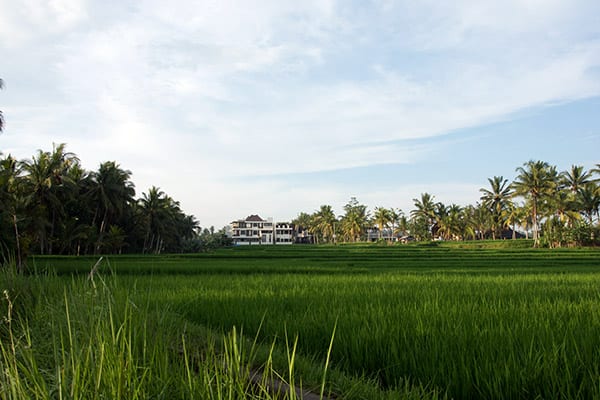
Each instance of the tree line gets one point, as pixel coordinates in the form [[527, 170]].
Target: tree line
[[555, 208], [49, 204]]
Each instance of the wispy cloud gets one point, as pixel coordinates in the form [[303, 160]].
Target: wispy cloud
[[231, 89]]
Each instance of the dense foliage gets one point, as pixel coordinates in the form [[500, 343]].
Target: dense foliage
[[554, 209], [51, 205]]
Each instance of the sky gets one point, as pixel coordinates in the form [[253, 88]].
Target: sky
[[277, 107]]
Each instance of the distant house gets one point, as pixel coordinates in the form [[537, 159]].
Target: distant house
[[387, 234], [255, 231], [302, 235]]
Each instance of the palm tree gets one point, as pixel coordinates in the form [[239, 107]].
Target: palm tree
[[565, 205], [11, 200], [114, 241], [165, 226], [383, 217], [536, 181], [399, 222], [496, 200], [156, 210], [596, 170], [425, 210], [468, 227], [324, 221], [575, 178], [112, 191], [450, 221], [45, 176], [513, 216], [354, 220], [589, 199], [303, 223]]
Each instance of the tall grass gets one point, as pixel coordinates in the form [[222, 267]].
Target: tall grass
[[466, 323], [102, 342], [471, 335], [410, 322]]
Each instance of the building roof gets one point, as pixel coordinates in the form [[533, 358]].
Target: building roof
[[254, 218]]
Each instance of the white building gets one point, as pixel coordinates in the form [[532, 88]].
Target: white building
[[255, 230]]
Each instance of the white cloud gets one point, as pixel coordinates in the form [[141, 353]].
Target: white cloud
[[233, 89], [24, 21]]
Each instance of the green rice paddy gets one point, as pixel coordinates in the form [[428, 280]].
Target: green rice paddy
[[446, 320]]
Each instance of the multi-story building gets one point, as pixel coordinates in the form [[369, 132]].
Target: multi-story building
[[255, 230]]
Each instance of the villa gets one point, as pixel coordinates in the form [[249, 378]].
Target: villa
[[255, 231]]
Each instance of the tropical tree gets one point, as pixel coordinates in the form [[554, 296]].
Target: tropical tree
[[114, 240], [324, 222], [383, 217], [112, 192], [596, 170], [158, 212], [536, 180], [479, 218], [450, 221], [46, 175], [575, 178], [589, 200], [77, 231], [50, 203], [11, 205], [399, 222], [565, 206], [303, 223], [496, 200], [468, 224], [354, 220], [425, 212], [514, 215]]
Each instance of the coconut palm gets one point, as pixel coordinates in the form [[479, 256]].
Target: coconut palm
[[11, 201], [565, 205], [536, 181], [596, 171], [399, 222], [589, 200], [469, 229], [157, 213], [513, 216], [450, 221], [354, 220], [424, 210], [496, 199], [481, 220], [382, 217], [575, 178], [303, 223], [46, 175], [112, 192], [324, 221]]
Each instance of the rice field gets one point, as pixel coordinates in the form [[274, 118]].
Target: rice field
[[429, 321]]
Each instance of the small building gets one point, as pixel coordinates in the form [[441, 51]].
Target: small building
[[387, 234], [255, 231]]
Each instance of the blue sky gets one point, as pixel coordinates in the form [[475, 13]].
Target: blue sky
[[277, 107]]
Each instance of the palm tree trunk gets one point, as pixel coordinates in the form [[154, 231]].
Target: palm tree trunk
[[19, 261], [535, 223], [102, 228]]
